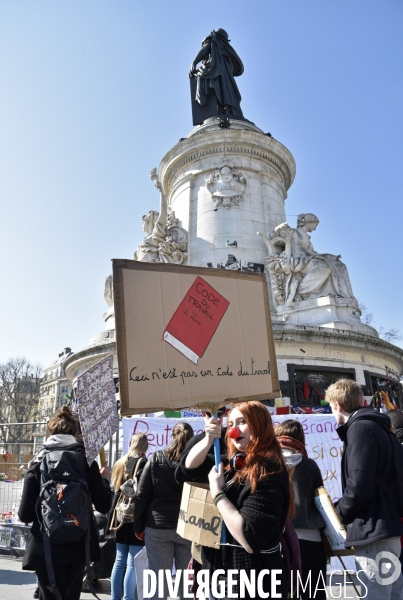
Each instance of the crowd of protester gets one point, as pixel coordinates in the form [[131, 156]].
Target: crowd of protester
[[263, 488]]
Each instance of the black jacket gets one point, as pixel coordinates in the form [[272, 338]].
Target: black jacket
[[306, 479], [125, 534], [366, 507], [264, 514], [62, 554], [158, 495], [200, 474]]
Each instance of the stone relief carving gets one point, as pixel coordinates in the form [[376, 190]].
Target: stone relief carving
[[165, 241], [109, 316], [226, 186], [298, 272]]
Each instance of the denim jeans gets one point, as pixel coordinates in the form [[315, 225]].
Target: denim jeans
[[124, 562]]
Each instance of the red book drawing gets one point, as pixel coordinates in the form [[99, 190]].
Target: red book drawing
[[196, 319]]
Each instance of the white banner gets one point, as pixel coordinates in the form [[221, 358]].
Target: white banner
[[322, 441], [157, 429]]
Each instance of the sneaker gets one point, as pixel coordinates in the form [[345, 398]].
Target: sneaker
[[36, 592]]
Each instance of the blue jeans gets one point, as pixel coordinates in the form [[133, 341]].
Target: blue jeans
[[124, 562]]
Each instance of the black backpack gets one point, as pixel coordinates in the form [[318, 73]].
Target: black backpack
[[64, 505]]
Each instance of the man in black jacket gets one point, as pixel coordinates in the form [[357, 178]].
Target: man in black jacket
[[368, 504]]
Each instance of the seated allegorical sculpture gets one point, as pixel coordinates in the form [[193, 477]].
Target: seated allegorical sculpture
[[297, 271], [165, 241]]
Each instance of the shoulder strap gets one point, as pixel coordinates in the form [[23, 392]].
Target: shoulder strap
[[137, 466]]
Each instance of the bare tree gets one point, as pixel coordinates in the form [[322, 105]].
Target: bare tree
[[389, 335], [366, 316], [19, 398]]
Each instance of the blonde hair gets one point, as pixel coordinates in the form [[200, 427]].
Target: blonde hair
[[138, 445], [347, 393]]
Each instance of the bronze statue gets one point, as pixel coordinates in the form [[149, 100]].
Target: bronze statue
[[213, 88]]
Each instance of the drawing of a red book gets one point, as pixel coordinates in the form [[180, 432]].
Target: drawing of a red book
[[196, 319]]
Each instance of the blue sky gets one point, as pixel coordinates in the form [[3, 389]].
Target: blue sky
[[93, 94]]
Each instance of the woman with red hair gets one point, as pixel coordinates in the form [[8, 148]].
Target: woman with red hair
[[252, 494]]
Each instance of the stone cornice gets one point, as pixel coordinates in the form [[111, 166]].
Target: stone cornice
[[339, 337], [230, 143]]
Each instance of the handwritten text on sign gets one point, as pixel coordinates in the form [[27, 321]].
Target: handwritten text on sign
[[96, 405], [157, 430]]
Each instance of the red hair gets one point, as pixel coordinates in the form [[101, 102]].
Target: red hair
[[263, 445]]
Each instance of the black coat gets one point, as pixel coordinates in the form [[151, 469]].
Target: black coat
[[366, 507], [200, 474], [264, 515], [158, 495], [62, 554], [125, 534]]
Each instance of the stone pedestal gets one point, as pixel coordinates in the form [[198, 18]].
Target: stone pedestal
[[268, 170], [326, 311]]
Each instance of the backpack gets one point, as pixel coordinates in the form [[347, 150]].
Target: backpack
[[64, 505], [124, 509]]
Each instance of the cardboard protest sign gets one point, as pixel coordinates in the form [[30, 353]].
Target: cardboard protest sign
[[96, 406], [334, 531], [199, 520], [221, 351]]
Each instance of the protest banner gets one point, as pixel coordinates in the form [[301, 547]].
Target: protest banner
[[96, 406], [157, 429], [189, 336], [322, 442]]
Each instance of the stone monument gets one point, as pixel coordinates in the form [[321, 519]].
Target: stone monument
[[219, 187]]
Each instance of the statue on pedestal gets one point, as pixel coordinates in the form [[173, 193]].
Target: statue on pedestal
[[165, 240], [297, 271], [213, 88]]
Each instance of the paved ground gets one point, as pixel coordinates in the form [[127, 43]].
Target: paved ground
[[20, 585]]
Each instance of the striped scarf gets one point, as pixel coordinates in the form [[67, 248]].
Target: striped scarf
[[292, 444]]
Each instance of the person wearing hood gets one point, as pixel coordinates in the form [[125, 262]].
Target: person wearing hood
[[68, 560], [157, 504], [368, 506], [306, 478]]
